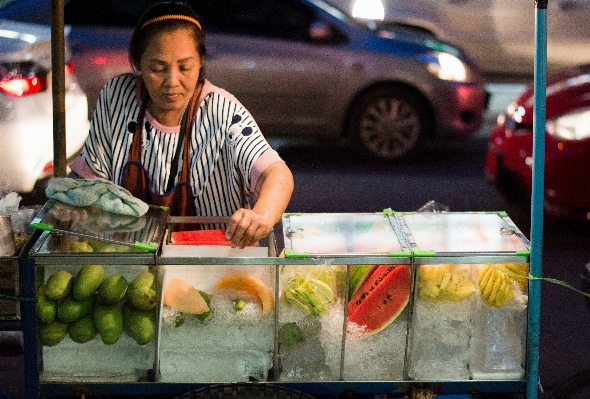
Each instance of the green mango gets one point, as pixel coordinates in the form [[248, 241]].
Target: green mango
[[70, 309], [139, 324], [142, 291], [53, 333], [82, 330], [290, 334], [112, 289], [80, 246], [59, 285], [46, 308], [87, 281], [108, 321]]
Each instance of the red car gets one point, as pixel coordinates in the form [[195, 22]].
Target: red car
[[567, 146]]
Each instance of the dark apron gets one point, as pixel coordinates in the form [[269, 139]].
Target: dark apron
[[135, 179]]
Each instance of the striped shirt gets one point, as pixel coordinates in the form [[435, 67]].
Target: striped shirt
[[228, 151]]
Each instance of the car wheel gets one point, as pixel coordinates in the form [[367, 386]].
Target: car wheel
[[389, 122]]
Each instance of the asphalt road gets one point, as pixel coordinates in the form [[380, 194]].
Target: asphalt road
[[332, 178]]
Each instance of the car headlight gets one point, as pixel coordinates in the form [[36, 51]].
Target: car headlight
[[573, 125], [447, 66]]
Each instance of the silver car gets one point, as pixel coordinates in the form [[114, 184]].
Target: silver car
[[26, 104], [304, 69], [498, 34]]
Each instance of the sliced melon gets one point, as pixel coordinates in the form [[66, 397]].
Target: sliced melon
[[183, 297], [250, 284]]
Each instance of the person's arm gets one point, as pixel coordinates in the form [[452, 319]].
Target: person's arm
[[274, 189]]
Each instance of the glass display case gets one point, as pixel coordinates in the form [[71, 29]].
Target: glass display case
[[217, 314], [372, 302], [470, 299], [346, 315], [97, 295]]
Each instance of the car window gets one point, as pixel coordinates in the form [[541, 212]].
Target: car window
[[105, 12], [280, 19]]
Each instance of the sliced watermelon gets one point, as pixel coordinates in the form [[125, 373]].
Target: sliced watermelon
[[381, 298], [199, 237], [358, 275]]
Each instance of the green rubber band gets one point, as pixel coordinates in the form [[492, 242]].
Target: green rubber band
[[535, 278]]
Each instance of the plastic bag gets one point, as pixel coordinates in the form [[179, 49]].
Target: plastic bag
[[433, 206]]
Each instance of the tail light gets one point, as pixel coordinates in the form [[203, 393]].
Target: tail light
[[19, 79], [70, 68]]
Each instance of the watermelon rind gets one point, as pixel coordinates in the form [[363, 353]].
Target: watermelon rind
[[358, 274]]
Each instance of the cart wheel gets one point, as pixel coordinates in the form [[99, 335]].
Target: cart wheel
[[244, 391]]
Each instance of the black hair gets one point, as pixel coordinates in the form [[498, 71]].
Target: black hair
[[142, 35]]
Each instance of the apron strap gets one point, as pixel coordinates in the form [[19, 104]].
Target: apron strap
[[184, 171], [135, 151]]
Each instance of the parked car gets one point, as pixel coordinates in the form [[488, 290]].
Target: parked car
[[26, 106], [567, 146], [498, 34], [302, 68]]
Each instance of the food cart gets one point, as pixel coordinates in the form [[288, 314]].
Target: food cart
[[373, 303], [426, 246]]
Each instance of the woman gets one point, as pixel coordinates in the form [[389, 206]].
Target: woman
[[172, 138]]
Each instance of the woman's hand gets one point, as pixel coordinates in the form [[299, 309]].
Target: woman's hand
[[274, 190], [246, 227]]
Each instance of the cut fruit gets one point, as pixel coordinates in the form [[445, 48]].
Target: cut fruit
[[199, 237], [495, 284], [250, 284], [183, 297], [445, 282], [310, 295], [381, 298], [358, 275]]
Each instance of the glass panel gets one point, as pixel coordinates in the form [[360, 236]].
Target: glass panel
[[469, 322], [377, 322], [89, 222], [89, 312], [462, 232], [217, 323], [311, 315], [341, 234]]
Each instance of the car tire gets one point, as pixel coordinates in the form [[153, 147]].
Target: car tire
[[389, 122]]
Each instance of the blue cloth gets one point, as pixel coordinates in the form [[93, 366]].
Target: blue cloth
[[99, 193]]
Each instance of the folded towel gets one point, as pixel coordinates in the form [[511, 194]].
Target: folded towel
[[99, 193]]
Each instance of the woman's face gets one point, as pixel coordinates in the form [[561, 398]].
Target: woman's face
[[170, 69]]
